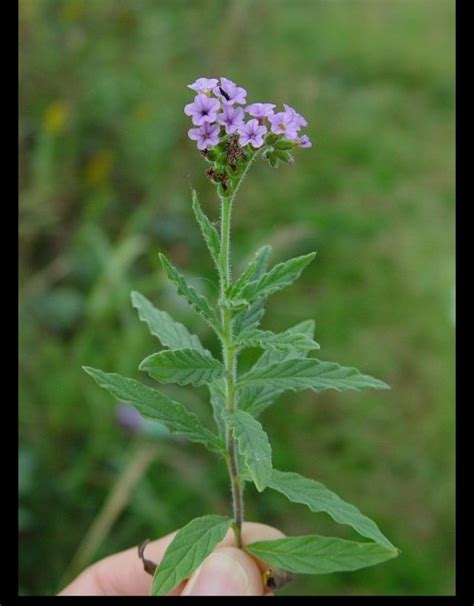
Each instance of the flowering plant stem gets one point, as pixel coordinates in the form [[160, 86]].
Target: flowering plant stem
[[229, 355]]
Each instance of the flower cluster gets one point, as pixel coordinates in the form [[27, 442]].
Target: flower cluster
[[219, 109]]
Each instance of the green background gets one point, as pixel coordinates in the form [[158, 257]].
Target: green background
[[106, 169]]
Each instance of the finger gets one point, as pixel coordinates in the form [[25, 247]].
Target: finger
[[119, 574], [251, 532], [227, 571]]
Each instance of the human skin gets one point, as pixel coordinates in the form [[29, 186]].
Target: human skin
[[227, 571]]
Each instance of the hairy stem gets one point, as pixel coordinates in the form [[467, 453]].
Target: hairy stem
[[229, 354], [230, 365]]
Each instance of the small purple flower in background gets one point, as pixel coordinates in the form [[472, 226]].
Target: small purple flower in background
[[206, 135], [230, 93], [130, 419], [204, 85], [298, 118], [283, 123], [260, 110], [304, 141], [252, 133], [203, 109], [232, 118]]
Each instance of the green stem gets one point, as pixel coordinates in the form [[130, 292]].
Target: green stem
[[230, 365], [229, 355]]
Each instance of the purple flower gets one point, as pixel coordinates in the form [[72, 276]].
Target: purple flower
[[298, 118], [232, 118], [206, 135], [304, 141], [129, 418], [203, 109], [283, 123], [230, 93], [252, 133], [260, 110], [204, 85]]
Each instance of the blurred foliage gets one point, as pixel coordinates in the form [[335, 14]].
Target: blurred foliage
[[106, 170]]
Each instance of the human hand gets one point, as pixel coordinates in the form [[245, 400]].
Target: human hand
[[227, 571]]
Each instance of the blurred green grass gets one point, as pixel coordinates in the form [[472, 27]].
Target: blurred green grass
[[106, 169]]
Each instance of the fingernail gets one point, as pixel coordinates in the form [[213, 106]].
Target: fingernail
[[227, 571]]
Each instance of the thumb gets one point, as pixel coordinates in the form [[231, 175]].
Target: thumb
[[227, 571]]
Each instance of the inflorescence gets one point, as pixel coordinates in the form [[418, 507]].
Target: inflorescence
[[228, 141]]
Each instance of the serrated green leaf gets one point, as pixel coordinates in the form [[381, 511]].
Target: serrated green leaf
[[172, 334], [209, 232], [306, 327], [262, 257], [319, 555], [284, 341], [183, 366], [320, 499], [199, 302], [298, 374], [155, 406], [270, 356], [253, 445], [278, 277], [253, 270], [249, 318], [189, 548], [256, 398]]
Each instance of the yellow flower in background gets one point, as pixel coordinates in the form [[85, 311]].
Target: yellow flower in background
[[55, 117], [99, 166]]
